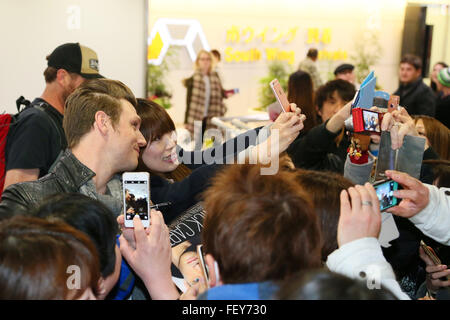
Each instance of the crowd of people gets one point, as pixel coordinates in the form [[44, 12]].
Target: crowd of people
[[309, 230]]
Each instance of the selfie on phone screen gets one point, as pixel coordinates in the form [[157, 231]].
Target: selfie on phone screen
[[371, 122], [385, 193], [136, 201]]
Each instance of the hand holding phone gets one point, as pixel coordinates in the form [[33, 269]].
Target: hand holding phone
[[439, 273], [385, 193], [280, 95], [136, 197], [430, 253]]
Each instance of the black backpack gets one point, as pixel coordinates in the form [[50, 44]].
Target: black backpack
[[9, 120]]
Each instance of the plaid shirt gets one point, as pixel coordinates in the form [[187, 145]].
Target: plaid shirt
[[196, 105]]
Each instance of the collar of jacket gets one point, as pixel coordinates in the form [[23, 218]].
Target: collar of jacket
[[71, 169], [410, 85]]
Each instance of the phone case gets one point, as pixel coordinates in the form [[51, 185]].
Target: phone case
[[141, 201], [430, 252], [279, 94]]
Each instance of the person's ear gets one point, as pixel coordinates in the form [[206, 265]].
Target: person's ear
[[62, 77], [213, 271], [101, 122]]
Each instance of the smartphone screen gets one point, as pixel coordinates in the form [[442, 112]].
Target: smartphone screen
[[371, 121], [385, 192], [203, 264], [279, 94], [136, 198]]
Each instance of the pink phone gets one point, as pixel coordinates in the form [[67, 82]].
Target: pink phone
[[279, 94]]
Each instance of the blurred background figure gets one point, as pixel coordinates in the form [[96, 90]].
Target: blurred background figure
[[433, 76], [309, 65], [345, 72], [443, 99], [415, 96]]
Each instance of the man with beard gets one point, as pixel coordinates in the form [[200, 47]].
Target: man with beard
[[37, 138]]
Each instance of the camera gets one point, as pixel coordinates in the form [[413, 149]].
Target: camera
[[364, 121]]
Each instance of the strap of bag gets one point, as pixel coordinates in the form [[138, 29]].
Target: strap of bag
[[43, 106]]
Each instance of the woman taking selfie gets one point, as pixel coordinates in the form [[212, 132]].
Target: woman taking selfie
[[187, 172]]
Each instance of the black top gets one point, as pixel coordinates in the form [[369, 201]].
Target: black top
[[443, 110], [183, 194], [417, 98], [34, 140], [317, 150]]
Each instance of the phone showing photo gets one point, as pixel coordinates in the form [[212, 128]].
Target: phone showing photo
[[203, 265], [279, 94], [385, 192], [371, 121], [136, 197]]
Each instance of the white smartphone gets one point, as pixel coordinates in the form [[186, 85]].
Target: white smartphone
[[279, 94], [136, 197]]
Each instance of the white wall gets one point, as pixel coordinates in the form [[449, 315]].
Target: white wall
[[31, 29]]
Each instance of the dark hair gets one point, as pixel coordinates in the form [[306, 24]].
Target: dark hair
[[50, 74], [259, 227], [156, 122], [413, 60], [324, 189], [89, 98], [343, 88], [327, 285], [89, 216], [438, 135], [441, 172], [35, 256], [312, 53], [216, 53], [301, 92], [432, 83]]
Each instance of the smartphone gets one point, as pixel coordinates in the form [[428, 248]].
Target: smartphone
[[385, 193], [393, 103], [367, 121], [279, 94], [136, 197], [203, 265], [430, 252]]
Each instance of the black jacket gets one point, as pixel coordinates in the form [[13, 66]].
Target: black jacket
[[417, 98], [183, 194], [443, 109], [317, 150], [69, 174]]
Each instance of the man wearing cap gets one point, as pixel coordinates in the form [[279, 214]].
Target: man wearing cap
[[443, 100], [345, 72], [415, 96], [36, 140]]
